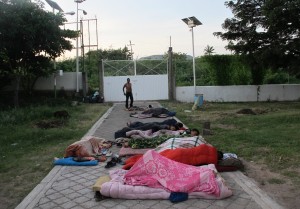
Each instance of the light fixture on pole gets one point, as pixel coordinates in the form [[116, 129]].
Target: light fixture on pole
[[77, 56], [54, 5], [192, 22], [68, 13]]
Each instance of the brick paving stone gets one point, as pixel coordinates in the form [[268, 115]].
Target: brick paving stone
[[64, 184], [215, 207], [201, 205], [50, 191], [89, 204], [181, 204], [130, 203], [161, 205], [191, 207], [84, 191], [140, 206], [120, 207], [54, 196], [108, 203], [149, 202], [44, 200], [74, 178], [81, 199], [78, 207], [48, 205], [99, 207], [73, 195], [77, 187], [236, 206], [223, 203], [66, 191], [69, 204], [61, 200]]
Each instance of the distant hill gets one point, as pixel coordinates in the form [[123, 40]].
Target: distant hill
[[160, 57], [153, 57]]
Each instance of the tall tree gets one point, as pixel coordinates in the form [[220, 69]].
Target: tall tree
[[266, 31], [30, 38], [209, 50]]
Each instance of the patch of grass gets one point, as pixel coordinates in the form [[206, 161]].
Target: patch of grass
[[27, 151], [276, 181], [270, 137]]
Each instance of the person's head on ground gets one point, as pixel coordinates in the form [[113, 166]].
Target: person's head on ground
[[155, 129], [180, 126], [195, 132], [174, 127]]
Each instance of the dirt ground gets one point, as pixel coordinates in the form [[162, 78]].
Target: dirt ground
[[284, 193]]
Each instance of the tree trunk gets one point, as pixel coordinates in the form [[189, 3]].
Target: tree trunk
[[16, 93]]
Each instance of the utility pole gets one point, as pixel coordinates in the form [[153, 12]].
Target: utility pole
[[131, 52]]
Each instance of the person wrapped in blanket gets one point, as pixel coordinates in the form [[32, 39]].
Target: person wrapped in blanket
[[158, 112], [170, 124]]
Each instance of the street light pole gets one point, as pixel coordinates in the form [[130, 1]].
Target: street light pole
[[194, 67], [193, 22], [77, 58], [77, 53]]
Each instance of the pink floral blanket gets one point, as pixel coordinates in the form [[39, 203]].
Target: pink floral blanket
[[156, 171]]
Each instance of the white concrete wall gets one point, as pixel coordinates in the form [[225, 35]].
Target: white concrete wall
[[243, 93], [279, 92], [67, 81], [144, 87]]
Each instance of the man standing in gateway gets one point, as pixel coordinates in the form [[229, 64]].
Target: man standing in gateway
[[128, 94]]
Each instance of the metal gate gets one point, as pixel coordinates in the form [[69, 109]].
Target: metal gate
[[149, 79]]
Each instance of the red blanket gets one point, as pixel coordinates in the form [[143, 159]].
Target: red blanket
[[200, 155]]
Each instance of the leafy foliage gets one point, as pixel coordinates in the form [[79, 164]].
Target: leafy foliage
[[30, 38], [267, 32]]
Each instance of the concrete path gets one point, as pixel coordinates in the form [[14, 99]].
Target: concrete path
[[71, 186]]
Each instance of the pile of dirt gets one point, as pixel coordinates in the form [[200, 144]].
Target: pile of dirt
[[46, 124], [249, 111]]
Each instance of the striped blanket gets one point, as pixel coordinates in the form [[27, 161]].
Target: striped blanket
[[185, 142]]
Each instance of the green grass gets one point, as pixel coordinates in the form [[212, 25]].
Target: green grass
[[27, 151], [270, 138]]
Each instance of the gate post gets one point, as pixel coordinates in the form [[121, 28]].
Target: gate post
[[101, 79], [171, 76]]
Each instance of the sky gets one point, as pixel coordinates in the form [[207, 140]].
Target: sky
[[151, 26]]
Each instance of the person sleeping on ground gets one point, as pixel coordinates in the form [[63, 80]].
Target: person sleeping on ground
[[141, 124], [152, 133], [150, 126], [158, 111], [154, 112], [89, 146]]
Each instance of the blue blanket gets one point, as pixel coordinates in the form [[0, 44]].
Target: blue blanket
[[70, 162]]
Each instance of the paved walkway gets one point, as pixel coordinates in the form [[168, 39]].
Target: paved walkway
[[71, 186]]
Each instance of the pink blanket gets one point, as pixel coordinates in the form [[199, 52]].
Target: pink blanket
[[117, 189], [156, 171]]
